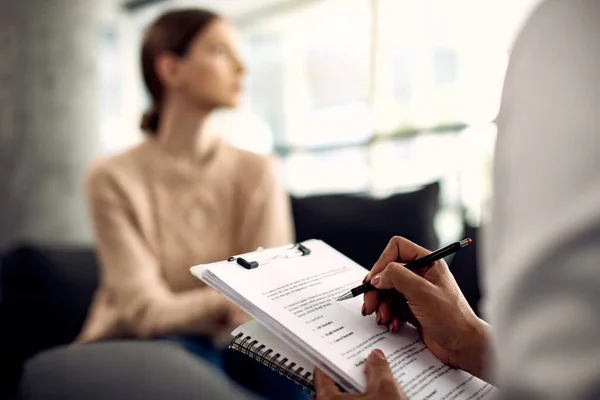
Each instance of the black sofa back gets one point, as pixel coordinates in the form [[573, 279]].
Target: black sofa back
[[361, 226], [464, 267], [46, 293]]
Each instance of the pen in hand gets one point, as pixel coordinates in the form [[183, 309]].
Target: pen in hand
[[413, 265]]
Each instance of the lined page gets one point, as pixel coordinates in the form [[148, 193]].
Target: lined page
[[300, 293]]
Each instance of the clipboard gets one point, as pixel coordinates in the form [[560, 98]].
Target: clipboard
[[296, 250]]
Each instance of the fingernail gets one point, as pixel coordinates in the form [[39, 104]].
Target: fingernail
[[391, 327], [375, 280], [378, 319], [366, 278], [377, 354], [363, 310]]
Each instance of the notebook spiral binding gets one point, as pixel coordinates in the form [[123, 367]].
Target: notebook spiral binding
[[284, 367]]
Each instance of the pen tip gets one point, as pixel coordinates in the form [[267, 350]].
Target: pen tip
[[345, 296]]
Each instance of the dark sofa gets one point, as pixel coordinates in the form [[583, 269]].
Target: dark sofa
[[46, 291]]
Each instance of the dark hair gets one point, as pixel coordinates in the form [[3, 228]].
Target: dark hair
[[172, 32]]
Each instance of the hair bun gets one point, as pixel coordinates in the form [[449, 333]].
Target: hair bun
[[150, 121]]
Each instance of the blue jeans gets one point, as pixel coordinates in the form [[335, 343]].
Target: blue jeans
[[244, 370]]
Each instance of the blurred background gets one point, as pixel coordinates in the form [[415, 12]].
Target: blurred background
[[354, 96], [380, 112]]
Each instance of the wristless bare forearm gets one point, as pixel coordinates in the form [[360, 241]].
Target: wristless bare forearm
[[474, 357]]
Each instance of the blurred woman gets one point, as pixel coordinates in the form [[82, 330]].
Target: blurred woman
[[180, 198]]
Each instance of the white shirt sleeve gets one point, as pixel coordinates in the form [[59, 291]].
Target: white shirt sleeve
[[542, 263]]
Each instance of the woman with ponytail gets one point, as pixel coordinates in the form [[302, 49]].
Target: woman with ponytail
[[181, 197]]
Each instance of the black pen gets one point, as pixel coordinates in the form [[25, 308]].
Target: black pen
[[413, 265]]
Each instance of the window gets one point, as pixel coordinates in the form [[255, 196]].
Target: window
[[309, 73], [347, 84], [373, 96]]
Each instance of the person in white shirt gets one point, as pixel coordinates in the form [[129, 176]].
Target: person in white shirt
[[542, 264]]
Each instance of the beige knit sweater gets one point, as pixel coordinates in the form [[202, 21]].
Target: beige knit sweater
[[155, 216]]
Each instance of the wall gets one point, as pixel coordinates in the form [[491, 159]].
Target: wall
[[48, 117]]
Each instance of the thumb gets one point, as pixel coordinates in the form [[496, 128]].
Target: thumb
[[397, 276], [377, 371]]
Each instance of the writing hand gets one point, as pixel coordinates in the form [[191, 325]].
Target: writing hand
[[381, 384], [431, 300]]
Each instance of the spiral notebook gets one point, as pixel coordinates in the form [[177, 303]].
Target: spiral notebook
[[253, 340], [291, 292]]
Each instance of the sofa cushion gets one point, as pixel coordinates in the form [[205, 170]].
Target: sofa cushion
[[361, 226], [46, 293]]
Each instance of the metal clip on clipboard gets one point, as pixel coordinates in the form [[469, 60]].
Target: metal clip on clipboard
[[297, 250]]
